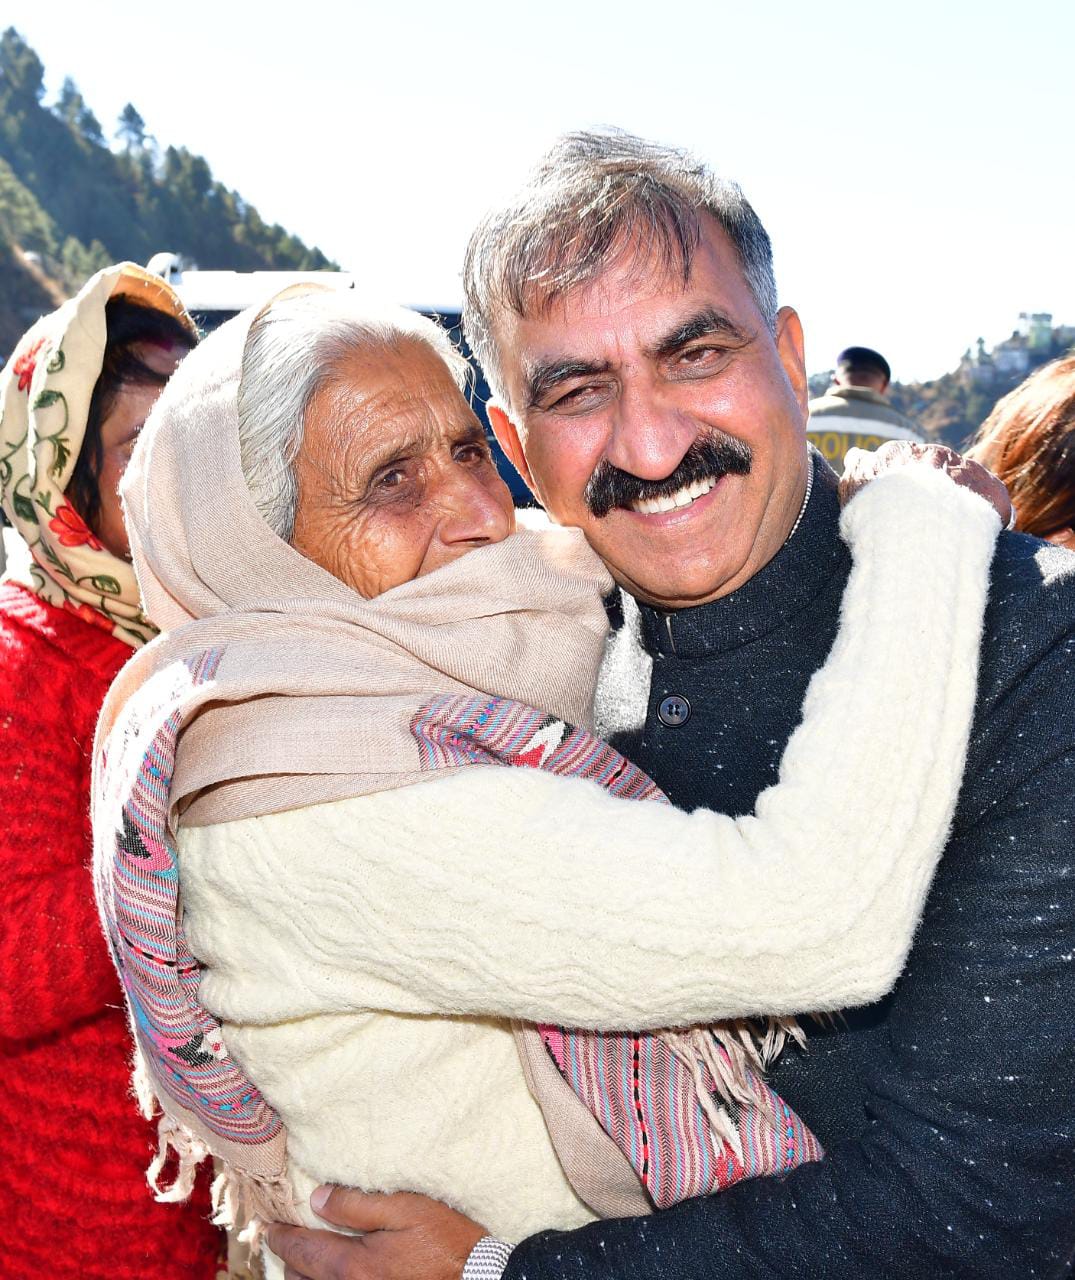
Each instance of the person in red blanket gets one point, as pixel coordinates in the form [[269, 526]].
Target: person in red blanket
[[73, 1150]]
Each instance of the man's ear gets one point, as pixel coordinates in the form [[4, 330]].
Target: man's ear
[[507, 436], [790, 348]]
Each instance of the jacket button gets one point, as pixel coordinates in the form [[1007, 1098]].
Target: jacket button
[[674, 711]]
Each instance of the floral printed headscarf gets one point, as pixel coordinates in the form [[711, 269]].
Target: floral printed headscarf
[[45, 393]]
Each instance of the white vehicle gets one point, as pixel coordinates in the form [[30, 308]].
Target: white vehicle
[[213, 297]]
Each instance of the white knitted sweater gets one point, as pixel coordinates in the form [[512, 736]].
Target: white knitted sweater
[[365, 955]]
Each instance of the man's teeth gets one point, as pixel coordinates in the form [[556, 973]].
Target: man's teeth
[[683, 498]]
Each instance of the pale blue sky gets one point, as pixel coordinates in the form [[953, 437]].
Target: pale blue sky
[[913, 162]]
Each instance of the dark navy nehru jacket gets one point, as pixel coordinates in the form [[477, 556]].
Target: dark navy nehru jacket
[[948, 1108]]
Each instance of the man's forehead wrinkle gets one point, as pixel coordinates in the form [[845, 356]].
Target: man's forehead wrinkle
[[612, 341], [637, 307], [651, 251]]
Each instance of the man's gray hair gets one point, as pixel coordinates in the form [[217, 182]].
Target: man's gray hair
[[294, 349], [593, 195]]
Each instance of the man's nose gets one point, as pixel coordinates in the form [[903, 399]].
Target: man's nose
[[649, 435], [473, 511]]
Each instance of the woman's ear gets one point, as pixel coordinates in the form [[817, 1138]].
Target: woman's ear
[[507, 436]]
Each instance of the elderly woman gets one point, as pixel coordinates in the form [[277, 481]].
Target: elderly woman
[[72, 1150], [397, 947]]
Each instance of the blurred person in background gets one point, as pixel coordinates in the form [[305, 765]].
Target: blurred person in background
[[72, 1148], [1029, 442], [855, 412]]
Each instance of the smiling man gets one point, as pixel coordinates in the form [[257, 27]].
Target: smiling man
[[658, 404], [651, 393]]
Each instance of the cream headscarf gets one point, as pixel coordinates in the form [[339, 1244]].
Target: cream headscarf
[[310, 699], [45, 394]]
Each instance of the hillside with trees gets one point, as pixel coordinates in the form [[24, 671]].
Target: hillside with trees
[[72, 200], [952, 407]]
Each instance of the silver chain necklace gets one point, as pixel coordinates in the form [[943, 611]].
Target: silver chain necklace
[[806, 499]]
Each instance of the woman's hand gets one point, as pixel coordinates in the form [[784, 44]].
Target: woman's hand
[[407, 1237], [860, 467]]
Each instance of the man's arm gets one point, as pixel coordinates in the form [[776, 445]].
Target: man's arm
[[966, 1164], [809, 903], [405, 1237]]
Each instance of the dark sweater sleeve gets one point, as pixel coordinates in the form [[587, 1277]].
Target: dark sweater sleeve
[[966, 1164]]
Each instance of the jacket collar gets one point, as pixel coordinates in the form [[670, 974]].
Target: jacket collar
[[859, 393]]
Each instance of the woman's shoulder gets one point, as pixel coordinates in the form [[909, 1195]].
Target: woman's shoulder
[[31, 640], [74, 634]]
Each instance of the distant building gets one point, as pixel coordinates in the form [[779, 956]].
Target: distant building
[[1032, 341], [1037, 328], [1011, 358], [978, 368]]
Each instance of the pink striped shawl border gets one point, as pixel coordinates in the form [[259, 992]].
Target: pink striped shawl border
[[641, 1094]]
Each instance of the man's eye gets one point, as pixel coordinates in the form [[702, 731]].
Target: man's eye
[[578, 399], [693, 357], [391, 479]]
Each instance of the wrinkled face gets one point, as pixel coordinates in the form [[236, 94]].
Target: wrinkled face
[[119, 432], [667, 422], [395, 477]]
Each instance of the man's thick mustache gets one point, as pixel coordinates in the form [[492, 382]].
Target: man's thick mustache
[[708, 458]]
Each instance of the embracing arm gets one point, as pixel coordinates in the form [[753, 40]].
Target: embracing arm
[[510, 892], [965, 1162]]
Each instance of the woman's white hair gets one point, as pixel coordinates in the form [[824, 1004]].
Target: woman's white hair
[[293, 349]]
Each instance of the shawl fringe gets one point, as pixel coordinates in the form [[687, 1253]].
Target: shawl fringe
[[189, 1151], [727, 1053], [244, 1203]]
